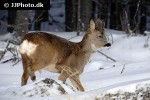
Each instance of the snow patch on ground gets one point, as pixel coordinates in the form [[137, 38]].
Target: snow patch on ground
[[136, 91], [42, 88]]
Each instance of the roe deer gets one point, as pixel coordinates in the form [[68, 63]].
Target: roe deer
[[40, 50]]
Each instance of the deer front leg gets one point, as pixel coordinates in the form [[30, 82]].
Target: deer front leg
[[63, 76], [76, 82]]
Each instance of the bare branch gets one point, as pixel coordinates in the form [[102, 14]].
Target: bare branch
[[11, 59], [123, 68], [5, 51], [107, 56]]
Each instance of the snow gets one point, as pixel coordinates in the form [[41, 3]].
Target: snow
[[44, 87], [102, 76]]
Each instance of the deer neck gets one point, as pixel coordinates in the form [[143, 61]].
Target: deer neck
[[86, 45]]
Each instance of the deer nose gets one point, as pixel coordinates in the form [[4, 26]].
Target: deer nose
[[107, 45]]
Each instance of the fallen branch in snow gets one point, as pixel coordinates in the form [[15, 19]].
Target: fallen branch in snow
[[123, 68], [16, 62], [72, 37], [13, 51], [4, 52], [11, 59], [107, 56]]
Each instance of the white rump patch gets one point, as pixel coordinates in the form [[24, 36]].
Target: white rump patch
[[27, 47], [93, 47]]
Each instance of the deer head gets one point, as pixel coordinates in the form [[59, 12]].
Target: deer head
[[95, 37]]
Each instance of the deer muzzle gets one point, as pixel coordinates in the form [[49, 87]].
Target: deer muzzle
[[107, 45]]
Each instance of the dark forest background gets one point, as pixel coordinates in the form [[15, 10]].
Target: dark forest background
[[74, 15]]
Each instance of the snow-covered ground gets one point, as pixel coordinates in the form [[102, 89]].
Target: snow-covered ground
[[102, 77]]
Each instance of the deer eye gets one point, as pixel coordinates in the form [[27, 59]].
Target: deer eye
[[100, 36]]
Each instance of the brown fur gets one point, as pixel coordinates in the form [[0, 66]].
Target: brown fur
[[60, 55]]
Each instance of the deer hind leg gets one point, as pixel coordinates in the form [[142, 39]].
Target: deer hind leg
[[25, 77], [25, 74], [27, 65], [76, 82]]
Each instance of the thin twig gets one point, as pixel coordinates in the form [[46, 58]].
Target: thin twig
[[107, 56], [72, 37], [11, 59], [17, 62], [123, 68]]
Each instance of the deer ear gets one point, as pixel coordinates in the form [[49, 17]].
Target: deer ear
[[100, 25], [92, 25]]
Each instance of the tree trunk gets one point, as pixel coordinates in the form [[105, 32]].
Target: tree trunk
[[86, 13], [113, 15], [71, 15], [142, 26], [116, 15], [108, 14], [38, 20], [22, 23], [11, 19], [103, 10], [79, 19]]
